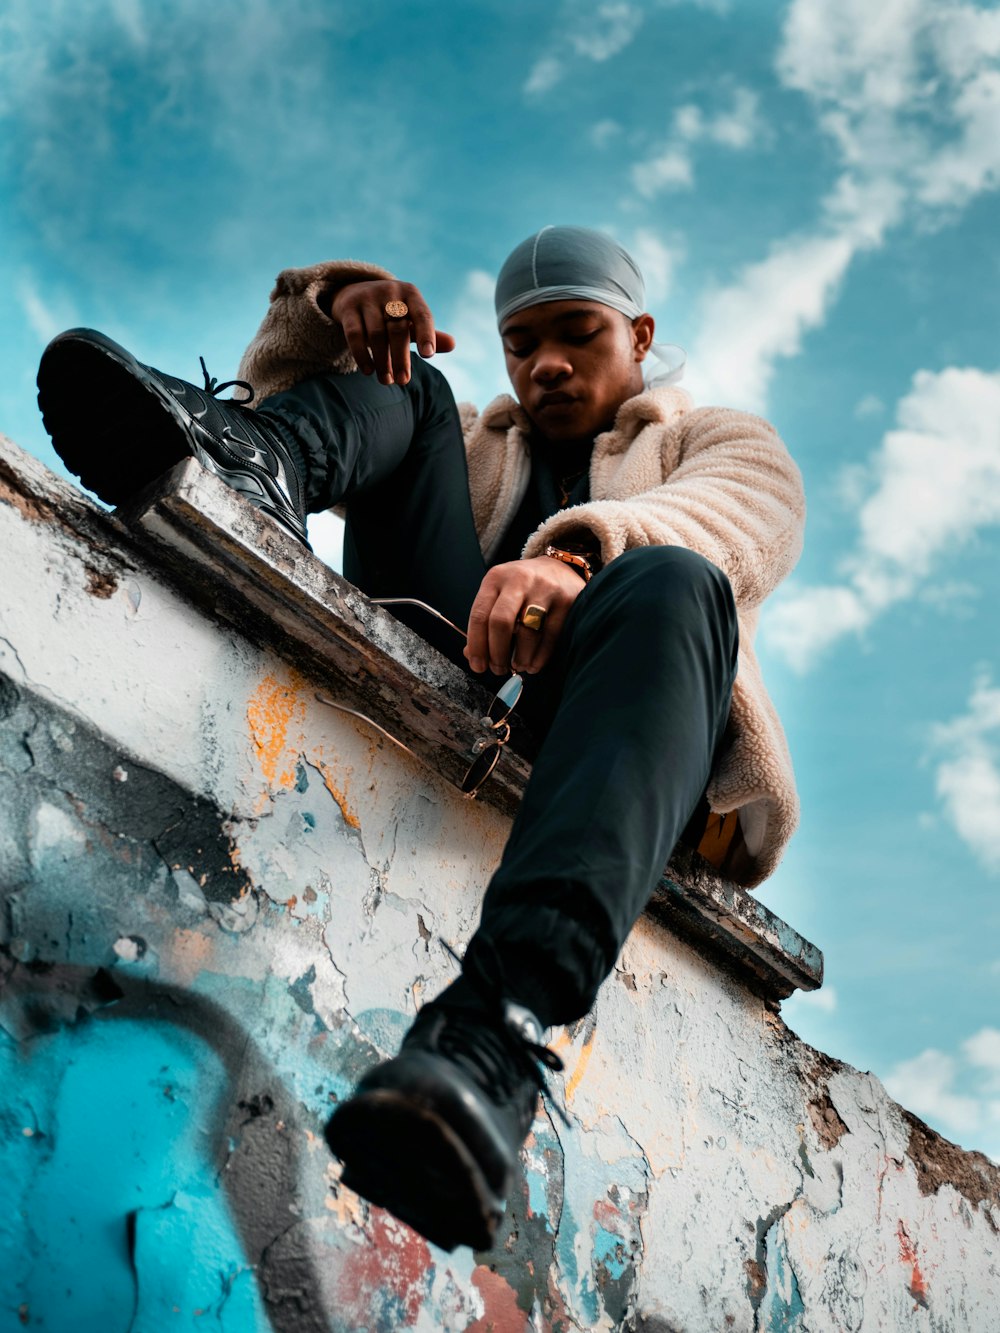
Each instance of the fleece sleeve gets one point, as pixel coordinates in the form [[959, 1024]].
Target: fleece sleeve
[[734, 495], [298, 338]]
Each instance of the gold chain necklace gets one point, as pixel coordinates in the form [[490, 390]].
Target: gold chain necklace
[[567, 483]]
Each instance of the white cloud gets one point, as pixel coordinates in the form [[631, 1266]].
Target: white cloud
[[967, 778], [657, 263], [45, 317], [129, 15], [671, 166], [604, 133], [965, 35], [670, 169], [744, 327], [825, 1000], [844, 51], [909, 94], [201, 81], [738, 127], [971, 162], [936, 482], [545, 74], [983, 1051], [606, 32], [585, 32], [925, 1085], [869, 406], [957, 1094], [326, 534]]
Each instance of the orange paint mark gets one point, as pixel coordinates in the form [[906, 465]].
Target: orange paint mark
[[581, 1066], [350, 818], [343, 1203], [502, 1314], [192, 952], [560, 1045], [270, 712], [908, 1255]]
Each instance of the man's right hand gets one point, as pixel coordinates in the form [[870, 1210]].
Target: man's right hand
[[381, 345]]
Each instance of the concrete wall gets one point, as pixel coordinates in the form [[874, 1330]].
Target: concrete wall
[[224, 900]]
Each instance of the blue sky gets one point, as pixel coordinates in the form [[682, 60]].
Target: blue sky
[[812, 193]]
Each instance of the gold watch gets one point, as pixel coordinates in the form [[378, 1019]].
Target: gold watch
[[579, 562]]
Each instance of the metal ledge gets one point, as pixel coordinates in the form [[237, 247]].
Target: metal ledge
[[241, 567]]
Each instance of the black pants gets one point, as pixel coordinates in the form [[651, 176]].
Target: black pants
[[630, 712]]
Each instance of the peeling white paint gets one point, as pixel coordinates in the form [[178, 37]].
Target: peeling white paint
[[718, 1174]]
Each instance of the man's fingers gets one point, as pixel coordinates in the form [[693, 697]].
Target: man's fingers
[[357, 341], [477, 647], [503, 618], [380, 344], [399, 349], [422, 327], [378, 341], [533, 648]]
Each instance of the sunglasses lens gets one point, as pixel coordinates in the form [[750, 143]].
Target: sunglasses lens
[[481, 769], [506, 699]]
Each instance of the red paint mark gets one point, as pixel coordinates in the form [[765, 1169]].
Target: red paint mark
[[908, 1255], [387, 1276], [502, 1312], [607, 1215]]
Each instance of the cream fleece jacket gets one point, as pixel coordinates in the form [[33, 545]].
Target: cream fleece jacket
[[717, 481]]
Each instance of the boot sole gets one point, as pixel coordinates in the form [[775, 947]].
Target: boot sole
[[130, 433], [403, 1157]]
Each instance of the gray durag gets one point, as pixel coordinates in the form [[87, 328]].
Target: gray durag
[[576, 263]]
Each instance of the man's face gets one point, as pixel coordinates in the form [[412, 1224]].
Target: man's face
[[573, 364]]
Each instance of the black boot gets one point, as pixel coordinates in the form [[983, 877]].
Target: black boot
[[119, 425], [434, 1134]]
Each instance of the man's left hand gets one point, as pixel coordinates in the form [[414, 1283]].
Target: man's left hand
[[497, 639]]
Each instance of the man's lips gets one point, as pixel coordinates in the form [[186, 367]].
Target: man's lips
[[554, 399]]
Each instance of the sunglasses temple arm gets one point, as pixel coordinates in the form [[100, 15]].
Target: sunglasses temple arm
[[414, 601], [342, 708]]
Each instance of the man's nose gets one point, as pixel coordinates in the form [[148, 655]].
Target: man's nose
[[550, 364]]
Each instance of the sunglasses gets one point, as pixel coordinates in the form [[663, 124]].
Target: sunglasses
[[487, 747]]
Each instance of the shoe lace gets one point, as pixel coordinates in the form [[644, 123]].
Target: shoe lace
[[497, 1055], [213, 387], [498, 1052]]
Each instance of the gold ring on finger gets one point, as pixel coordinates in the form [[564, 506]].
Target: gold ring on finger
[[533, 617], [396, 310]]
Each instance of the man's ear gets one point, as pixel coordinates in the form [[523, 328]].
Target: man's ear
[[643, 328]]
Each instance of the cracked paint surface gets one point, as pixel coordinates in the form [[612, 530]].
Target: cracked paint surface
[[221, 903]]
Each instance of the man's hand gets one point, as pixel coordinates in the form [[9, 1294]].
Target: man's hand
[[495, 638], [381, 345]]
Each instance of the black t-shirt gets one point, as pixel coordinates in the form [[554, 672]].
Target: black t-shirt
[[559, 479]]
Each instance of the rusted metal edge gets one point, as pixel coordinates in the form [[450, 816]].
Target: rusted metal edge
[[240, 566]]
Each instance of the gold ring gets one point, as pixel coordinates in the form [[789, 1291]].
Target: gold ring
[[533, 617], [396, 310]]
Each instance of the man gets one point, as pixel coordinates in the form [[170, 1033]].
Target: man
[[610, 542]]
